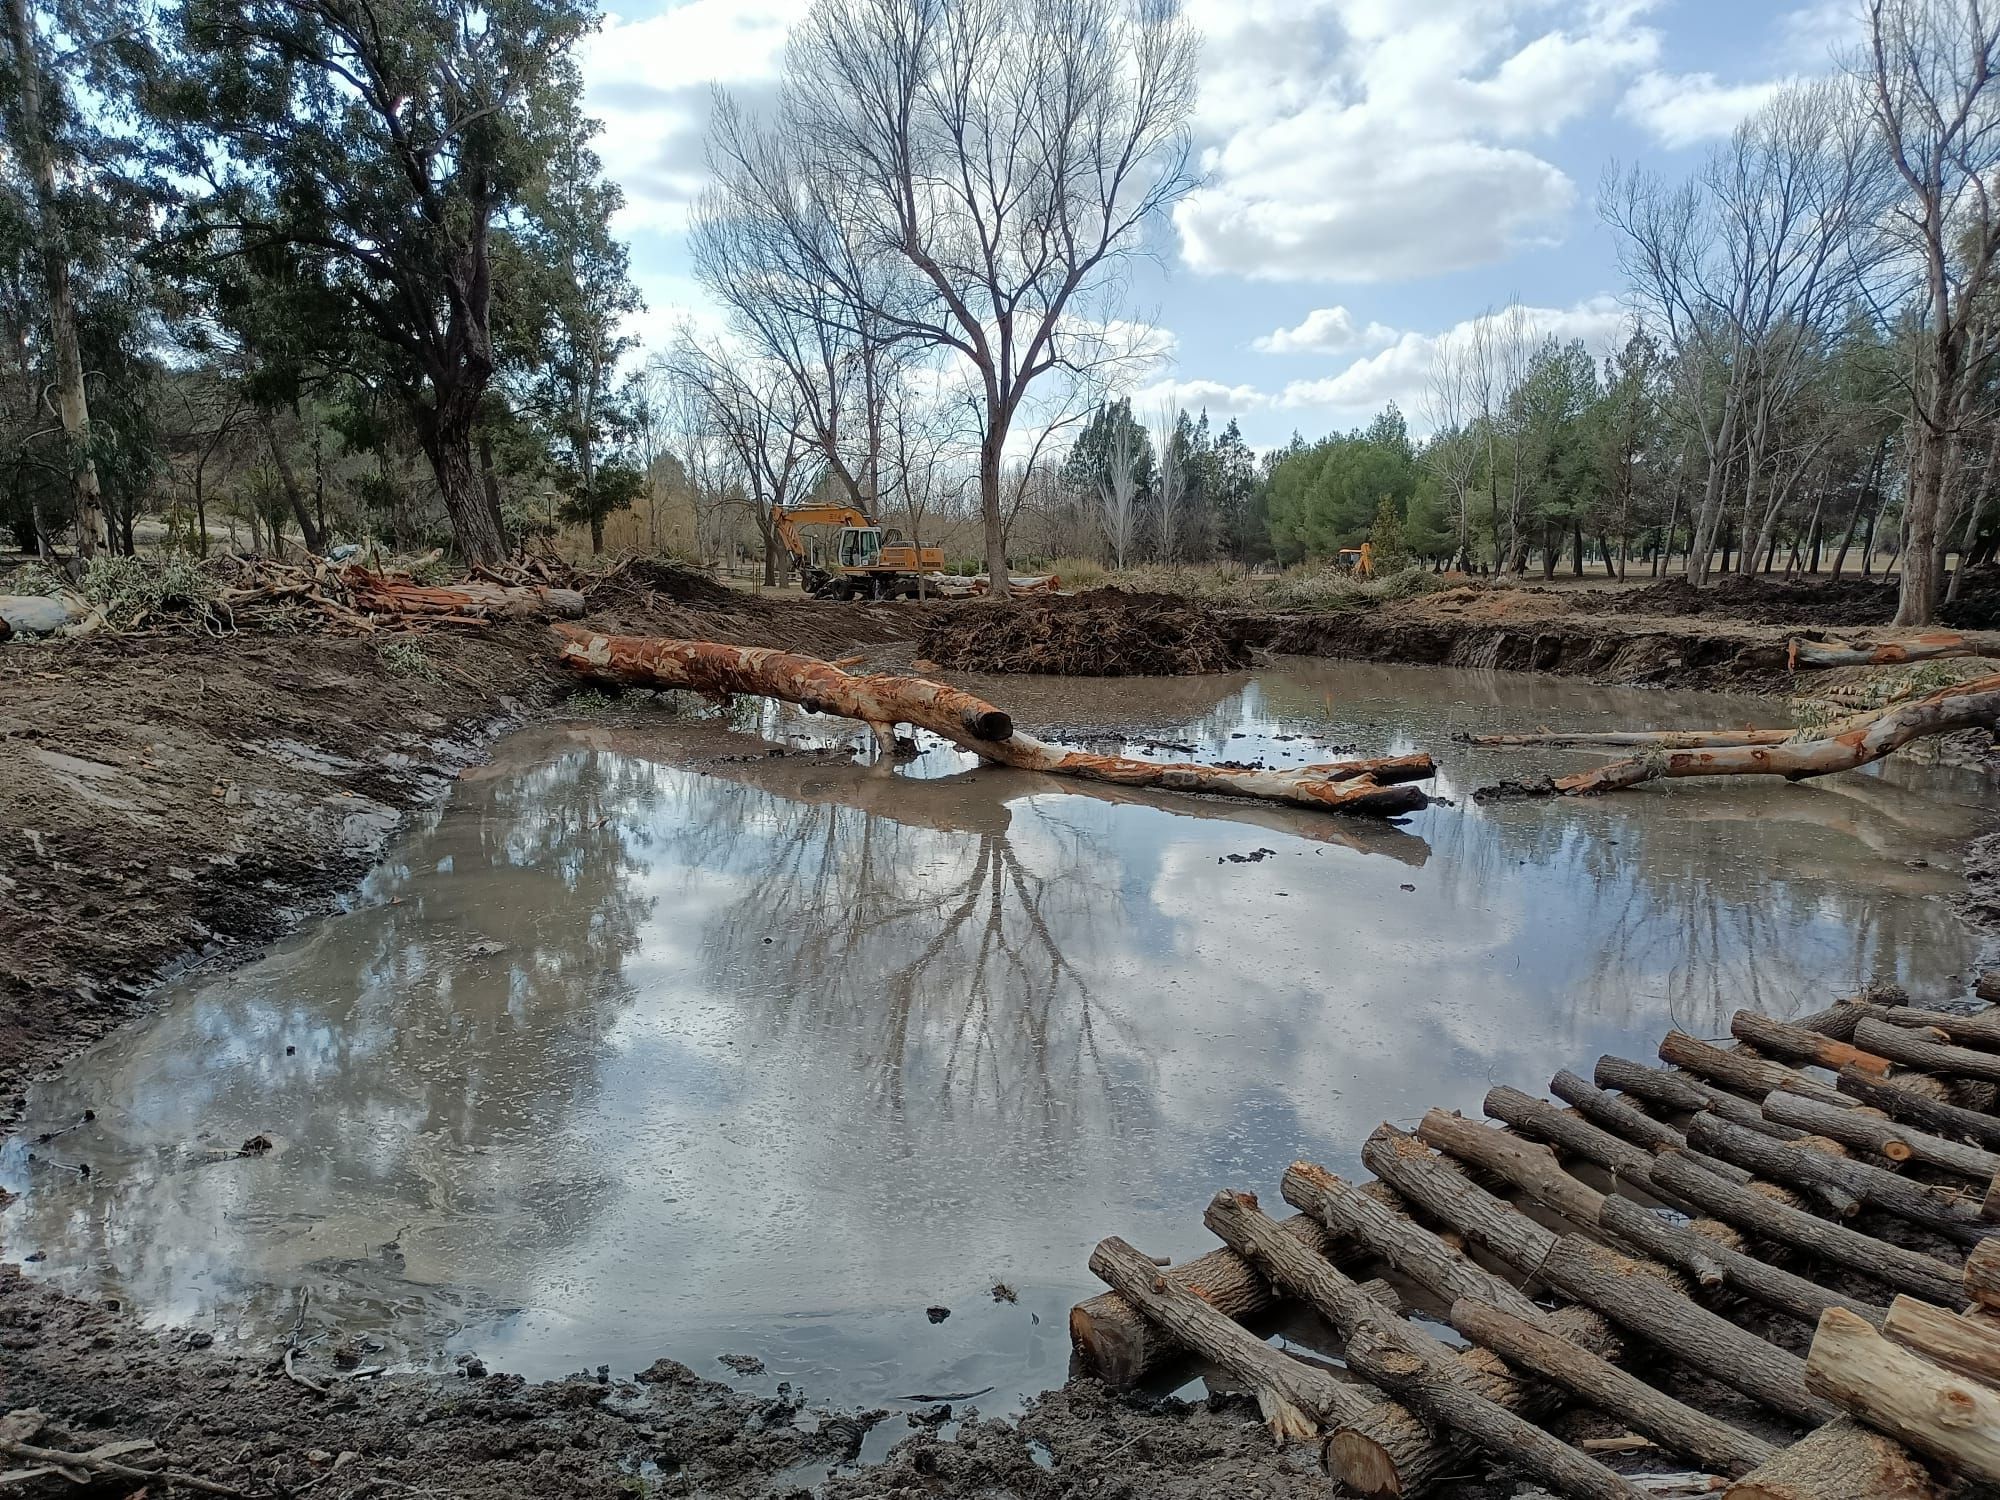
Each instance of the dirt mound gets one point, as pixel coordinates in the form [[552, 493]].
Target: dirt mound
[[1102, 633], [677, 581], [1757, 601], [1977, 606]]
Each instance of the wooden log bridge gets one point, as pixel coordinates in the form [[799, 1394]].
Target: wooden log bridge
[[1375, 788], [1834, 1169]]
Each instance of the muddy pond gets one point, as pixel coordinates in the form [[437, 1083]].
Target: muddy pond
[[650, 1041]]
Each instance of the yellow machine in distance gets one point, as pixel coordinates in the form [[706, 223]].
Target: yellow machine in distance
[[865, 562], [1359, 561]]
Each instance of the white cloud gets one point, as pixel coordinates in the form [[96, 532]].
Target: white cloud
[[1212, 396], [649, 81], [1325, 330], [1686, 109], [1369, 140]]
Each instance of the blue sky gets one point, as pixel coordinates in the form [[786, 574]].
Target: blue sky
[[1377, 172]]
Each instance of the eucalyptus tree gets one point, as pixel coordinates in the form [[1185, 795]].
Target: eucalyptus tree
[[377, 148], [971, 175]]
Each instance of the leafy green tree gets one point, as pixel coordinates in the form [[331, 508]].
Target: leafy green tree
[[1325, 496], [379, 149], [1389, 550]]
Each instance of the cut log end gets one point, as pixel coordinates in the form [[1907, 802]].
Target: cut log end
[[1362, 1464], [986, 723]]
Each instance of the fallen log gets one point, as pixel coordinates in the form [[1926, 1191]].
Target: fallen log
[[1981, 1029], [1774, 1038], [1870, 1130], [1916, 1050], [1966, 1345], [1927, 647], [1629, 1165], [1681, 1092], [1981, 1276], [1895, 1098], [1858, 741], [1628, 739], [1741, 1072], [1621, 1119], [1674, 1425], [1781, 1161], [382, 593], [1376, 788], [1295, 1398], [1927, 1409], [1841, 1461]]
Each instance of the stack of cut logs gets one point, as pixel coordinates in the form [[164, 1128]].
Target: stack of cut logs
[[1836, 1174]]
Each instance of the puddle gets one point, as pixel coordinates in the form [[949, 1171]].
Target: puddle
[[652, 1043]]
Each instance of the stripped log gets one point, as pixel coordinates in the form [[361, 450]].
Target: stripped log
[[1434, 1389], [1916, 1049], [1774, 1038], [1755, 1214], [1377, 788], [1384, 1451], [1927, 1409], [1856, 741], [1896, 1099], [468, 598], [1120, 1345], [1866, 1184], [1632, 739], [1872, 1131], [1739, 1071], [1841, 1461], [1929, 646], [1681, 1092], [1295, 1398], [1406, 1247], [1629, 1124], [1691, 1253], [1967, 1345], [1670, 1423], [1631, 1295], [1981, 1276]]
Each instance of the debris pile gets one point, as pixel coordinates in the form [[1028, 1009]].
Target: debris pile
[[1105, 632], [1757, 601]]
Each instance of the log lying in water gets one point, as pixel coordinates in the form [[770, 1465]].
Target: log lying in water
[[1376, 788], [1927, 647], [1858, 741]]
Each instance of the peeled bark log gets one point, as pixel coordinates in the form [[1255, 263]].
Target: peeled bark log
[[471, 598], [1981, 1276], [1756, 1214], [1675, 1426], [1841, 1461], [1917, 1050], [1866, 1184], [1871, 1131], [1896, 1099], [1376, 788], [1966, 1345], [1796, 1044], [1925, 1408], [1927, 647], [1295, 1398], [1855, 742], [1626, 739]]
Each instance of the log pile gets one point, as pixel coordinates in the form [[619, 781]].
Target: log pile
[[1828, 1176], [1375, 788]]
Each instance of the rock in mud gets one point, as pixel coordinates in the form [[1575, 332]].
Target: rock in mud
[[937, 1314], [743, 1364]]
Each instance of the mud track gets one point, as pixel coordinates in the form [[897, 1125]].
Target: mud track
[[178, 800]]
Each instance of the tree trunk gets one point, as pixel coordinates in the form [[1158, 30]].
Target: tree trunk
[[489, 479], [1840, 1461], [72, 402], [1946, 1416], [309, 532], [1968, 1345], [1896, 1099], [1000, 581], [1915, 1050], [1865, 1130], [445, 430], [1795, 1044], [1981, 1277], [1741, 1070], [1379, 787]]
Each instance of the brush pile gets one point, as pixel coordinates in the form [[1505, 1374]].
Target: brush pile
[[1104, 632]]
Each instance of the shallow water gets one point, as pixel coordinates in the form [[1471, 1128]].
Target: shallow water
[[649, 1043]]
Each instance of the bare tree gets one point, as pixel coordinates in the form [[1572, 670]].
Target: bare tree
[[1001, 155], [1450, 403], [1170, 481], [1930, 71]]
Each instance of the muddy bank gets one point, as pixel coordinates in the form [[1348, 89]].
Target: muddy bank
[[1103, 632]]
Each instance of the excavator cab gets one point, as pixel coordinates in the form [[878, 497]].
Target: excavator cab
[[861, 546]]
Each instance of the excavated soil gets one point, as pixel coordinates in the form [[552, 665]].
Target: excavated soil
[[1757, 601], [1104, 632]]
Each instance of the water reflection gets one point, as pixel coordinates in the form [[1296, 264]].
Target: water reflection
[[654, 1043]]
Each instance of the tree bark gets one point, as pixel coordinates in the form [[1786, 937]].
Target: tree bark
[[1894, 1391], [1445, 1194], [1964, 1344], [1376, 788], [72, 401], [1294, 1398], [1712, 1443], [1866, 1184], [1981, 1276], [1896, 1099], [1937, 644], [1840, 1461], [1573, 1135], [1683, 1093], [1629, 1124], [1756, 1214], [1917, 1051], [1796, 1044], [1870, 1131], [1981, 1029], [1748, 1075], [444, 430]]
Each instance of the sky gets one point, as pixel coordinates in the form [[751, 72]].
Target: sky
[[1376, 173]]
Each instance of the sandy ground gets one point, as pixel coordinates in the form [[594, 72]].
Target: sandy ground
[[174, 800]]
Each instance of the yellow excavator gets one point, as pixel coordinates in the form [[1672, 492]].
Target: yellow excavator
[[863, 562]]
